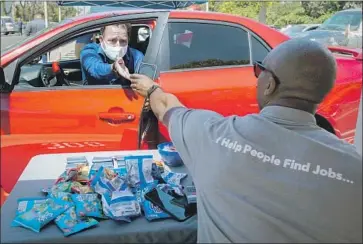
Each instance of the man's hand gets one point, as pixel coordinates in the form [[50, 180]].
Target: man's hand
[[141, 84], [121, 68]]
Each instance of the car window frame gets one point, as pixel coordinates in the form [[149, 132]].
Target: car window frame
[[160, 17], [258, 38], [93, 31], [166, 51]]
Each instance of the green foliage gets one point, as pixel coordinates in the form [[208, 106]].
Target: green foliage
[[283, 13], [27, 9]]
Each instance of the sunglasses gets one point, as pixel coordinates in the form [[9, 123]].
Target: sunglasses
[[258, 68]]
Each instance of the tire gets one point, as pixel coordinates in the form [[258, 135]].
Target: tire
[[6, 33]]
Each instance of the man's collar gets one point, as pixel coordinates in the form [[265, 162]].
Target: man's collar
[[288, 114]]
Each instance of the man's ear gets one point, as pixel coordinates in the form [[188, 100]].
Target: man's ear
[[271, 86]]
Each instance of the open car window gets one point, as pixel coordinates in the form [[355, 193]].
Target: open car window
[[39, 72]]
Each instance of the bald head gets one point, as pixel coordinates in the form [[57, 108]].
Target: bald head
[[306, 70]]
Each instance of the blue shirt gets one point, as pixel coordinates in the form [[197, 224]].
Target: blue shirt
[[96, 68]]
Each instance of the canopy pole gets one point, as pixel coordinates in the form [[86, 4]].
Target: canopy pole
[[59, 14], [358, 129], [207, 6], [46, 14]]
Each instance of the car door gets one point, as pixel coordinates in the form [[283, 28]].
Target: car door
[[208, 65], [40, 120]]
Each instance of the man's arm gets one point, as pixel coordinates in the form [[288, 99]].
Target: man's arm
[[187, 127], [93, 64], [161, 102]]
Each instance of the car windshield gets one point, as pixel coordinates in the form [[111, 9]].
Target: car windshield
[[295, 29], [17, 44], [340, 21]]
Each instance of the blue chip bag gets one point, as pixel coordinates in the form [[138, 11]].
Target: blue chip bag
[[25, 204], [41, 214], [70, 223], [107, 180], [64, 196], [172, 178], [61, 187], [139, 170], [151, 211], [98, 162], [88, 205], [120, 167], [121, 205]]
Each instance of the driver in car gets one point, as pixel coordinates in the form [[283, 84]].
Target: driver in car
[[100, 62]]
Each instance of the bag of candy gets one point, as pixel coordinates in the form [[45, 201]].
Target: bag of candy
[[173, 178], [139, 170], [70, 223], [173, 190], [25, 204], [120, 166], [74, 162], [64, 196], [80, 189], [41, 214], [151, 211], [79, 173], [88, 205], [107, 180], [98, 162], [61, 187], [121, 205]]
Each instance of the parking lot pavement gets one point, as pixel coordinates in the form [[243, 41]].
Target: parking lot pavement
[[10, 39]]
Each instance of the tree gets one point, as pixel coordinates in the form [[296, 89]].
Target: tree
[[27, 9]]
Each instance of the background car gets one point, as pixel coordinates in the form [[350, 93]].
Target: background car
[[293, 30], [7, 25], [342, 29], [45, 108]]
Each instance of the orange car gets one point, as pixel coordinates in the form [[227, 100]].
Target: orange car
[[203, 58]]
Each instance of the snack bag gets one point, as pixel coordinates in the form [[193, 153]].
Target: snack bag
[[98, 162], [64, 196], [70, 223], [60, 187], [78, 188], [73, 162], [107, 180], [172, 178], [151, 211], [120, 166], [88, 205], [121, 205], [40, 215], [139, 170], [79, 173], [25, 204], [173, 190]]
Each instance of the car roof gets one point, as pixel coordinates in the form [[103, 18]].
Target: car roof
[[351, 10]]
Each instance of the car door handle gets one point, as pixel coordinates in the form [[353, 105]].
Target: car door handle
[[116, 118]]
